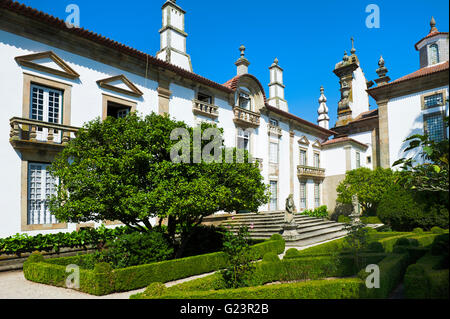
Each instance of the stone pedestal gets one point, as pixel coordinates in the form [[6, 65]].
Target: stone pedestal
[[290, 232]]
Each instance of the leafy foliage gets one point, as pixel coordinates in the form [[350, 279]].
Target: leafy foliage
[[121, 169], [84, 238], [239, 255], [319, 212], [367, 186]]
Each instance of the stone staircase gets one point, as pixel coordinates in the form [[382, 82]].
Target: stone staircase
[[311, 230]]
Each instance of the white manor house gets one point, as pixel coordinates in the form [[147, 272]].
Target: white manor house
[[53, 79]]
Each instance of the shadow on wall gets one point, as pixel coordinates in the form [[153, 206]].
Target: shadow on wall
[[341, 209]]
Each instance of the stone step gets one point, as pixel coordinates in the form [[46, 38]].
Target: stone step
[[316, 239], [268, 223]]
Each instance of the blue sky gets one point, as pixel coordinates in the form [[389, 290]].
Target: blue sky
[[308, 37]]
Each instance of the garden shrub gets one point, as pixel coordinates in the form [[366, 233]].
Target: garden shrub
[[403, 211], [375, 247], [291, 253], [423, 282], [319, 212], [318, 289], [344, 219], [53, 271], [418, 230], [270, 257], [370, 220], [84, 238], [437, 230], [137, 249], [392, 269], [276, 237], [204, 240]]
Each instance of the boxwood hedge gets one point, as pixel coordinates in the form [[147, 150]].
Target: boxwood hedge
[[53, 271]]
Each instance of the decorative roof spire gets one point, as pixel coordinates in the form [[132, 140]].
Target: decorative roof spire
[[242, 63], [382, 71], [353, 50], [433, 25], [323, 118]]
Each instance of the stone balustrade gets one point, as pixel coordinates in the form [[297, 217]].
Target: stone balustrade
[[28, 130], [205, 109], [274, 130], [245, 117], [310, 172]]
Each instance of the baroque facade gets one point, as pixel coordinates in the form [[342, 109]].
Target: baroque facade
[[53, 79]]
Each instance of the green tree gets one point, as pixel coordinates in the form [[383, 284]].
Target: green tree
[[121, 169], [431, 174], [367, 186]]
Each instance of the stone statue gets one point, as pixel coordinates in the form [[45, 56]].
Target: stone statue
[[290, 210]]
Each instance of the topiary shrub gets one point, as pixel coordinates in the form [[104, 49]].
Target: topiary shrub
[[270, 257], [440, 245], [437, 230], [292, 253], [35, 257], [155, 289], [418, 230], [344, 219], [276, 237], [102, 268]]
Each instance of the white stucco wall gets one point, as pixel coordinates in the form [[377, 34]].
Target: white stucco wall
[[405, 118], [360, 102]]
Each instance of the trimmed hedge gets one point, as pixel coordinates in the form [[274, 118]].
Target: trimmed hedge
[[423, 282], [348, 288], [392, 269], [53, 271]]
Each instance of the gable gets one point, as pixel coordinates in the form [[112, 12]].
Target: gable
[[120, 84], [47, 62]]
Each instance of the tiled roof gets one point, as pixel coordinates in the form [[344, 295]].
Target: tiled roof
[[423, 72], [342, 140], [431, 34], [233, 83], [366, 115], [299, 120], [34, 14]]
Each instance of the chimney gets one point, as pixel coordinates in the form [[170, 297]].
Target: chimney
[[276, 87], [173, 37], [242, 63]]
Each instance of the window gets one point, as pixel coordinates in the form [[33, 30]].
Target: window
[[204, 98], [358, 160], [273, 122], [117, 110], [244, 100], [434, 54], [316, 160], [316, 195], [369, 159], [243, 140], [273, 195], [433, 100], [46, 106], [273, 153], [41, 185], [302, 196], [303, 160], [434, 126]]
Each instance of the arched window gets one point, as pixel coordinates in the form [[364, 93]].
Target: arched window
[[244, 99], [434, 54]]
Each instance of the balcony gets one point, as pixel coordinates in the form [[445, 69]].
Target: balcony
[[246, 118], [29, 134], [274, 130], [205, 109], [305, 172], [259, 161]]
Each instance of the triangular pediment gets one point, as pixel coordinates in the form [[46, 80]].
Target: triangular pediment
[[317, 144], [121, 84], [303, 140], [47, 62]]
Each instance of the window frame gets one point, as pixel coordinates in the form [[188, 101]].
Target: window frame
[[116, 100], [431, 51], [424, 96], [277, 155], [302, 149], [316, 155], [440, 114], [317, 198], [273, 199], [305, 184]]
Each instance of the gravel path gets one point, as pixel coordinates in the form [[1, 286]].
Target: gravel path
[[13, 285]]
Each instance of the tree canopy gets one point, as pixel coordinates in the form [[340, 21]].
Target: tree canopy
[[121, 169]]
